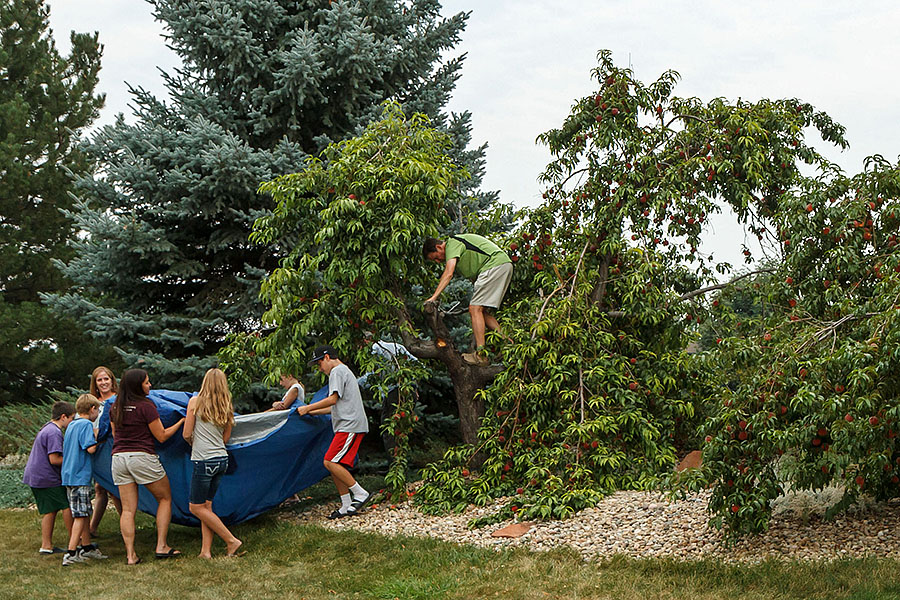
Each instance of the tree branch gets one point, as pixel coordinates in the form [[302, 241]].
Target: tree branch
[[599, 292], [694, 293], [720, 286]]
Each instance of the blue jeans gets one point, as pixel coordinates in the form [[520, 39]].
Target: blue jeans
[[205, 478]]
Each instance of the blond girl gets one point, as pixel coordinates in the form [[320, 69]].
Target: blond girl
[[207, 427]]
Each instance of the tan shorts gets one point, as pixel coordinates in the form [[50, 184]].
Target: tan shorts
[[136, 467], [491, 286]]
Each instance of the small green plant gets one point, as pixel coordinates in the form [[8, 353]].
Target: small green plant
[[13, 493]]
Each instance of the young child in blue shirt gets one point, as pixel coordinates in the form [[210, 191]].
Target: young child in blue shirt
[[78, 445]]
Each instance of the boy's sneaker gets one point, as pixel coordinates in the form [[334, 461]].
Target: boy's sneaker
[[94, 553], [473, 358], [71, 559], [53, 550]]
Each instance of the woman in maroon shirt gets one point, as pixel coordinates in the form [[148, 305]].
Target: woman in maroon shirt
[[136, 426]]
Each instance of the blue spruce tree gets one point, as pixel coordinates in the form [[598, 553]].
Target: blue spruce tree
[[165, 270]]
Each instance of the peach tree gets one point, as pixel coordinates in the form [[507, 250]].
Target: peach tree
[[816, 403], [598, 392], [351, 224]]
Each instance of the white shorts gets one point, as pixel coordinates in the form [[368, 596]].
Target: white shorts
[[491, 286], [136, 467]]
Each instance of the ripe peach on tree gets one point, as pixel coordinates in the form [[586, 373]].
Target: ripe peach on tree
[[627, 201]]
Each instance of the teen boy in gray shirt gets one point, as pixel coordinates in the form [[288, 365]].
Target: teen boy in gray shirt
[[348, 419]]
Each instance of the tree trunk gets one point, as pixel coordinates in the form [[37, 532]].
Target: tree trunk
[[467, 379], [466, 384]]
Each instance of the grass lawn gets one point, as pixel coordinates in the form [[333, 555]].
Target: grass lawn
[[291, 562]]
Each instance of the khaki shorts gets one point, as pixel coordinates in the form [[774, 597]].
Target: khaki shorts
[[491, 286], [136, 467]]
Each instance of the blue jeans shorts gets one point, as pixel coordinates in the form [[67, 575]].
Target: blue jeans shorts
[[205, 478]]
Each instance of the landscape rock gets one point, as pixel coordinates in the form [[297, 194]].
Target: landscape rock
[[648, 525], [513, 531]]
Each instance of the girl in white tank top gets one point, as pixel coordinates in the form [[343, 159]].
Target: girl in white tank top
[[207, 427]]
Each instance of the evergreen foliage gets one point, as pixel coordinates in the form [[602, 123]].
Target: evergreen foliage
[[166, 270], [46, 100]]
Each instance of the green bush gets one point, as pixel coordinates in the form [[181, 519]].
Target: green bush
[[13, 493], [810, 394]]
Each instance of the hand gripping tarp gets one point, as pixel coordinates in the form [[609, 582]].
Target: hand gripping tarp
[[278, 453]]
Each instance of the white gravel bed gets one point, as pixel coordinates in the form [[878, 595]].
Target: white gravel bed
[[648, 525]]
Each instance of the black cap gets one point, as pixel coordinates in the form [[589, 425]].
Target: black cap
[[320, 352]]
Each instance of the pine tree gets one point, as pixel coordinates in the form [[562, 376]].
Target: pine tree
[[166, 271], [45, 101]]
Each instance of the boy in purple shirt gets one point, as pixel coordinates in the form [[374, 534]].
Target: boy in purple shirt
[[42, 474]]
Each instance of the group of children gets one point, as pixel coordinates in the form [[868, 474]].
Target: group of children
[[59, 473], [59, 468]]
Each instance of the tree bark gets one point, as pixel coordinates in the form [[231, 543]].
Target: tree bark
[[467, 379]]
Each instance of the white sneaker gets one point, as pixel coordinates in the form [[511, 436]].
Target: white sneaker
[[94, 554], [71, 559]]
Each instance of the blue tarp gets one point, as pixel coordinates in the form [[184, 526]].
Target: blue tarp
[[277, 454]]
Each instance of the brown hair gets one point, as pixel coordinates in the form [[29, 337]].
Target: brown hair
[[131, 391], [430, 246], [96, 373], [61, 408]]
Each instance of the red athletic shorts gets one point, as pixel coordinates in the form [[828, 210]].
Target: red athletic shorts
[[344, 447]]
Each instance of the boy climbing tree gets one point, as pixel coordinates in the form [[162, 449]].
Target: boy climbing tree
[[477, 258]]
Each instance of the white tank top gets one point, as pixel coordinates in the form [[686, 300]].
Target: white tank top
[[208, 442]]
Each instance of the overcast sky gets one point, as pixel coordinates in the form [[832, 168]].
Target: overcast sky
[[529, 60]]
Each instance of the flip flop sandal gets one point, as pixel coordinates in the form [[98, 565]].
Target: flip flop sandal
[[172, 553]]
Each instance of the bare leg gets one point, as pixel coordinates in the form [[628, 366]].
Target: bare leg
[[48, 520], [478, 318], [101, 499], [129, 496], [211, 523], [79, 529], [67, 520], [116, 502], [206, 540], [491, 321], [163, 494], [85, 534], [342, 478]]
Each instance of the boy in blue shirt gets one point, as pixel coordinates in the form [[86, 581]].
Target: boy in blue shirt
[[78, 445]]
